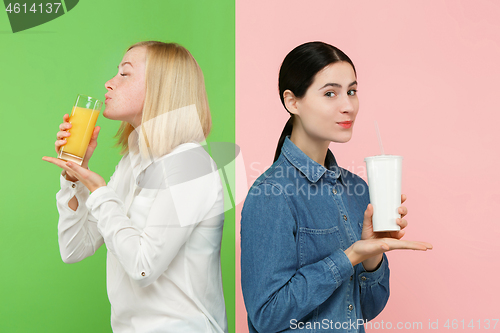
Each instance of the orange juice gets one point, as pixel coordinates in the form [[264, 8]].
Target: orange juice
[[83, 122]]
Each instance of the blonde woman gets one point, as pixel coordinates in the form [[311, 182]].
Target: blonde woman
[[161, 214]]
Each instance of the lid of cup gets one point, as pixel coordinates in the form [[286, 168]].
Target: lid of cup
[[383, 157]]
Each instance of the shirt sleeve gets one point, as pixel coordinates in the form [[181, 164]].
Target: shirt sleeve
[[146, 243], [374, 289], [374, 286], [77, 230], [275, 288]]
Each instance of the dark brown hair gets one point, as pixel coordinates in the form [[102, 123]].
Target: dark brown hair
[[297, 73]]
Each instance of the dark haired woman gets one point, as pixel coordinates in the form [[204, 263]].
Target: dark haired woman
[[309, 257]]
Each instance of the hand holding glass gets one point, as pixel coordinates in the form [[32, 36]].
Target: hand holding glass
[[83, 119]]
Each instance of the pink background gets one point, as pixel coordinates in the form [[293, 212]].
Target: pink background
[[428, 73]]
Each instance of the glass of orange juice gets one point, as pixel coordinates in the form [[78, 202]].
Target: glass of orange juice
[[82, 118]]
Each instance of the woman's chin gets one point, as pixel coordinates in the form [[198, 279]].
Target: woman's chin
[[342, 138], [108, 115]]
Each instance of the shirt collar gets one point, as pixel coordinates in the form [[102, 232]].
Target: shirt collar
[[140, 162], [311, 169]]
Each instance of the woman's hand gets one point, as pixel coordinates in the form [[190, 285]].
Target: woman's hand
[[372, 261], [363, 250], [368, 232], [63, 134], [74, 172], [90, 179]]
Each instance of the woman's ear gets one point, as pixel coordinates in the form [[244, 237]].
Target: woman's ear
[[290, 101]]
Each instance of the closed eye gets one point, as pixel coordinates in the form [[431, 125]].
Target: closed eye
[[123, 74]]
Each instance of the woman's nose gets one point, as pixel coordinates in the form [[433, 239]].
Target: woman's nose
[[109, 85], [347, 104]]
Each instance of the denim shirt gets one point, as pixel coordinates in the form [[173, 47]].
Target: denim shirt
[[297, 220]]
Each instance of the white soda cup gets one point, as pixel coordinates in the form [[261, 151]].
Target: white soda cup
[[384, 182]]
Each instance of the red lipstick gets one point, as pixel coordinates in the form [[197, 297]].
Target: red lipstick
[[346, 124]]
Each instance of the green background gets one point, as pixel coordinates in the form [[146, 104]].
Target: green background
[[42, 70]]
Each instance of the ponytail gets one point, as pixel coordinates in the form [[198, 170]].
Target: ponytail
[[287, 130]]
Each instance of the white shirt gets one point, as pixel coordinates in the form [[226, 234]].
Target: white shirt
[[162, 224]]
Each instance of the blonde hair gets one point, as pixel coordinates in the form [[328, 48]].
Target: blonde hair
[[175, 107]]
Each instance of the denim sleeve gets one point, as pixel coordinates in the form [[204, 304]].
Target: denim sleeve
[[374, 289], [275, 289]]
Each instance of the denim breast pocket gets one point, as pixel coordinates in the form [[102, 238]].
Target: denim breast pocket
[[317, 244]]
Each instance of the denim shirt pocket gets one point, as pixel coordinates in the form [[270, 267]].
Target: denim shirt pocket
[[317, 244]]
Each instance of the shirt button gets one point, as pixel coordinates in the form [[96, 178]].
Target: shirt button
[[351, 278], [334, 191], [363, 278], [351, 307], [73, 185], [143, 273], [345, 218]]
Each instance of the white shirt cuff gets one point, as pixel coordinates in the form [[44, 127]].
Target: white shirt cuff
[[72, 186]]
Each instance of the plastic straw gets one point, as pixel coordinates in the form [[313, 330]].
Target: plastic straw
[[379, 138]]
